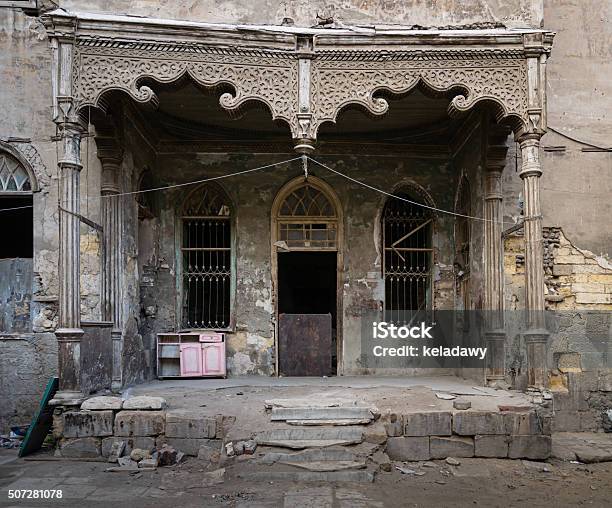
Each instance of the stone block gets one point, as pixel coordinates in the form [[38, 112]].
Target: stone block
[[189, 446], [562, 270], [592, 298], [139, 423], [375, 434], [530, 447], [87, 424], [80, 448], [394, 429], [441, 447], [224, 424], [434, 423], [145, 443], [103, 403], [408, 448], [190, 424], [526, 423], [471, 423], [491, 446], [566, 421], [145, 403]]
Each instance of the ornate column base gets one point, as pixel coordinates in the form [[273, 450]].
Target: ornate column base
[[537, 371], [496, 355], [69, 366], [117, 341]]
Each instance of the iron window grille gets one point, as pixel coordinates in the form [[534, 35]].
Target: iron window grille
[[206, 251], [13, 176], [407, 260]]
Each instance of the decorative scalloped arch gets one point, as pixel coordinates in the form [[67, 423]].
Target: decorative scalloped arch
[[29, 158]]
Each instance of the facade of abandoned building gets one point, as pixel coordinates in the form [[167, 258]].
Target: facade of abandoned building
[[122, 126]]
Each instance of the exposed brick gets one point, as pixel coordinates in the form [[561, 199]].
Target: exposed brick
[[434, 423], [593, 298], [408, 448], [441, 447], [560, 270]]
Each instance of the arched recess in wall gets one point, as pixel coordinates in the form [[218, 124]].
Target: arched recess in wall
[[407, 253], [307, 218], [206, 259], [463, 240], [17, 183]]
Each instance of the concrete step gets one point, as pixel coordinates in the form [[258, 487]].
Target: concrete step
[[312, 423], [360, 476], [321, 413], [298, 438]]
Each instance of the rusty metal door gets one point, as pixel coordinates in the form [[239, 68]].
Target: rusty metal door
[[305, 344]]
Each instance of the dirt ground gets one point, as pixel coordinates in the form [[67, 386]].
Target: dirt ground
[[474, 482]]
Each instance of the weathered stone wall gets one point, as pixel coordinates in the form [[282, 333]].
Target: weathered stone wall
[[443, 13]]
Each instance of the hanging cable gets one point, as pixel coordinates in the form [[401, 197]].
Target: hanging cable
[[376, 189], [173, 186]]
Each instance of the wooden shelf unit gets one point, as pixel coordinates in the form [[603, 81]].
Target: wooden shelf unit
[[190, 354]]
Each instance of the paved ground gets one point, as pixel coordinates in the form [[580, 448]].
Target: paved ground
[[475, 482]]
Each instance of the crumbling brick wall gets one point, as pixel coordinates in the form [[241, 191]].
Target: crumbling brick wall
[[578, 293]]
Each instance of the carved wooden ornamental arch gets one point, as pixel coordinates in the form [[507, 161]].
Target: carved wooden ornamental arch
[[305, 77]]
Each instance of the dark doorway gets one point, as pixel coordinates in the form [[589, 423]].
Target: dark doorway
[[307, 308], [16, 226]]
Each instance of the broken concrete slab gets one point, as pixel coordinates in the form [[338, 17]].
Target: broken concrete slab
[[315, 401], [184, 423], [102, 403], [359, 476], [434, 423], [144, 402], [321, 413], [441, 447], [408, 448], [311, 455], [139, 423], [87, 424]]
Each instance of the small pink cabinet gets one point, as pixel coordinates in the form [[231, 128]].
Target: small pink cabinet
[[191, 355]]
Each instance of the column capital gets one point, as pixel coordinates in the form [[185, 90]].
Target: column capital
[[530, 153]]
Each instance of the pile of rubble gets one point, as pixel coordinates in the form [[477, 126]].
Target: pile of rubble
[[139, 459]]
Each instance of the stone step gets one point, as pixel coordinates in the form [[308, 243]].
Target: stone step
[[359, 476], [312, 455], [321, 413], [299, 438], [347, 421]]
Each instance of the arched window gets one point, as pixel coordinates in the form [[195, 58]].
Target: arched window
[[13, 176], [206, 249], [307, 219], [408, 256]]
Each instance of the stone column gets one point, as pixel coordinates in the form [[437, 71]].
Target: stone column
[[69, 333], [536, 335], [112, 271], [493, 263]]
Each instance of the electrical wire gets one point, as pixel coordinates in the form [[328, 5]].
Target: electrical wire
[[173, 186], [586, 143], [389, 194]]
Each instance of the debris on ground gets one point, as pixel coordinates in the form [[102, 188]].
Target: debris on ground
[[451, 461], [408, 471], [462, 404], [445, 396]]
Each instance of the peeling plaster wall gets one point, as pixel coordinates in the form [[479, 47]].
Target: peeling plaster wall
[[251, 346], [304, 12]]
